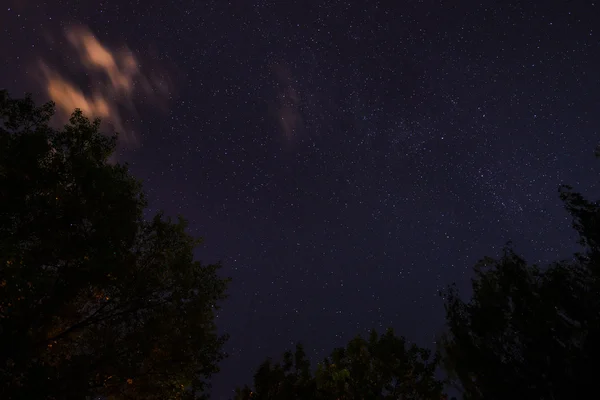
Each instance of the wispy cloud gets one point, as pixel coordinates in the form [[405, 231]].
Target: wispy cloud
[[114, 78], [288, 111]]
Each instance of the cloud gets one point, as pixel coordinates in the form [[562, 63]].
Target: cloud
[[68, 97], [114, 79], [95, 56], [288, 110]]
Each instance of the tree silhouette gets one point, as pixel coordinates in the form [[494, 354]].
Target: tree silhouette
[[380, 367], [291, 379], [94, 300], [529, 331]]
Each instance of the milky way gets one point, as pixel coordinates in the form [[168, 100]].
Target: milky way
[[345, 160]]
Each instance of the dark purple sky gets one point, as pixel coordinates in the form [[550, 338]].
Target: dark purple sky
[[345, 160]]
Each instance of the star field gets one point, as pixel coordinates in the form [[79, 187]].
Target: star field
[[345, 160]]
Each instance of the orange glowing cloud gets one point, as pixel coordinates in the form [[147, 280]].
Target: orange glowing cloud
[[115, 78], [95, 56], [67, 97]]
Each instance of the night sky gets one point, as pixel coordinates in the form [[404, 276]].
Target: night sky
[[345, 160]]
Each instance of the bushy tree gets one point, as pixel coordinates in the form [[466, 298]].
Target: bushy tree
[[530, 331], [291, 379], [94, 299], [380, 367]]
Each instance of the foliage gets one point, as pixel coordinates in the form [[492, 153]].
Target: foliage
[[291, 379], [382, 367], [94, 300], [528, 331]]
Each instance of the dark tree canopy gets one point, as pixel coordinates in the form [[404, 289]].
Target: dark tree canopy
[[94, 300], [380, 367], [529, 331], [291, 379]]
